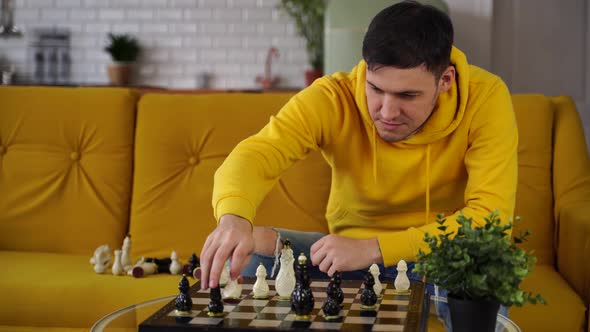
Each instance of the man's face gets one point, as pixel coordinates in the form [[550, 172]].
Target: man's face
[[401, 100]]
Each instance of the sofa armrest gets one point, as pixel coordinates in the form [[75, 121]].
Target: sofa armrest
[[573, 249]]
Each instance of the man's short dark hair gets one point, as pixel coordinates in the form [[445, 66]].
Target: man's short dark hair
[[407, 35]]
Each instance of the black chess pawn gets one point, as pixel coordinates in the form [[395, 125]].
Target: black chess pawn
[[368, 296], [335, 283], [302, 300], [331, 307], [193, 262], [215, 305], [183, 302]]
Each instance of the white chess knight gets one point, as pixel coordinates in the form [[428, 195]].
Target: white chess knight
[[126, 252], [175, 266], [402, 283], [285, 282], [117, 268], [233, 290], [101, 258], [260, 288], [224, 277], [378, 287]]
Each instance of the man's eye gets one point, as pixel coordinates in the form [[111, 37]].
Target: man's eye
[[408, 96], [377, 90]]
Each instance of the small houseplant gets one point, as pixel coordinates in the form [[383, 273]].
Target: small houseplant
[[124, 50], [309, 21], [479, 267]]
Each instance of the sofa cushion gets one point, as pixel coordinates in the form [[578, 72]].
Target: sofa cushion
[[65, 178], [58, 289], [180, 143], [534, 196], [565, 310]]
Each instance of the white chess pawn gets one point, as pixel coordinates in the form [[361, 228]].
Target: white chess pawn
[[378, 287], [285, 282], [175, 266], [101, 258], [125, 256], [224, 277], [233, 290], [260, 288], [117, 268], [402, 283]]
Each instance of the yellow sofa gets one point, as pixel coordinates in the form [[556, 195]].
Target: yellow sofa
[[82, 167]]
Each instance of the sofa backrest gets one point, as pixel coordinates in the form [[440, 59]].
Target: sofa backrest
[[65, 167], [181, 140]]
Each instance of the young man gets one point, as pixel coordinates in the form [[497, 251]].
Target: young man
[[412, 131]]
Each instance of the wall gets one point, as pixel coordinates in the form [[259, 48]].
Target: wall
[[181, 39]]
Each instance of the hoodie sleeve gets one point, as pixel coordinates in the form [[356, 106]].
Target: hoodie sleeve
[[256, 163], [491, 163]]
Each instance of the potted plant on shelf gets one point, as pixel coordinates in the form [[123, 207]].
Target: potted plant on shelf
[[124, 50], [309, 21], [480, 268]]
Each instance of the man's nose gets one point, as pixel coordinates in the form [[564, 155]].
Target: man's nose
[[390, 109]]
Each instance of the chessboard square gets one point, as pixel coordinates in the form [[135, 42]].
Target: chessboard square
[[319, 294], [262, 316], [276, 310], [270, 282], [396, 302], [393, 307], [392, 314], [254, 303], [291, 317], [204, 291], [357, 306], [228, 308], [275, 302], [206, 320], [319, 284], [348, 300], [264, 323], [241, 308], [342, 313], [349, 290], [200, 300], [325, 326], [379, 327], [359, 320], [247, 286], [241, 315], [193, 313]]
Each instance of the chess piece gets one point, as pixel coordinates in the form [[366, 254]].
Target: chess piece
[[117, 268], [101, 258], [334, 287], [302, 300], [175, 266], [331, 307], [183, 302], [260, 288], [285, 281], [144, 269], [402, 283], [378, 287], [193, 263], [368, 296], [126, 254], [233, 290], [224, 277], [215, 305]]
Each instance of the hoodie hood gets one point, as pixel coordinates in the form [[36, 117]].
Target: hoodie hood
[[448, 112]]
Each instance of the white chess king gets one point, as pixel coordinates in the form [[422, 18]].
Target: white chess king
[[285, 282], [260, 288], [402, 283]]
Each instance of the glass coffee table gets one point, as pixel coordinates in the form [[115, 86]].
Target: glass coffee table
[[129, 318]]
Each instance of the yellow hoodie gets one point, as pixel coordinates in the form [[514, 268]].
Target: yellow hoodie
[[464, 158]]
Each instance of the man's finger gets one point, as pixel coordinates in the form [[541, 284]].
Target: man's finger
[[207, 255], [317, 257], [221, 256], [325, 264], [316, 246], [239, 256]]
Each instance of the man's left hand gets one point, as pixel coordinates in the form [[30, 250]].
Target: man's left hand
[[339, 253]]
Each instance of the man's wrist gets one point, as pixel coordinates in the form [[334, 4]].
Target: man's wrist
[[236, 220], [375, 251]]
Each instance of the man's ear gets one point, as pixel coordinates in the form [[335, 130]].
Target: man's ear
[[447, 79]]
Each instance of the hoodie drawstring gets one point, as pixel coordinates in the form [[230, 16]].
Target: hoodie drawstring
[[374, 155], [427, 184]]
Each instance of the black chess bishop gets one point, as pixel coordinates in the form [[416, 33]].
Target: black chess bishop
[[302, 300], [368, 295], [183, 302]]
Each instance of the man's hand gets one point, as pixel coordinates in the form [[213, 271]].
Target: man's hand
[[232, 239], [338, 253]]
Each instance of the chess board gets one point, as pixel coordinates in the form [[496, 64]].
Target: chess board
[[393, 312]]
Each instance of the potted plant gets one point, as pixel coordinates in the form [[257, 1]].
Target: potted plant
[[309, 20], [124, 50], [480, 268]]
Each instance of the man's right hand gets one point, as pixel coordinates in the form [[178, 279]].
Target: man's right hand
[[232, 239]]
